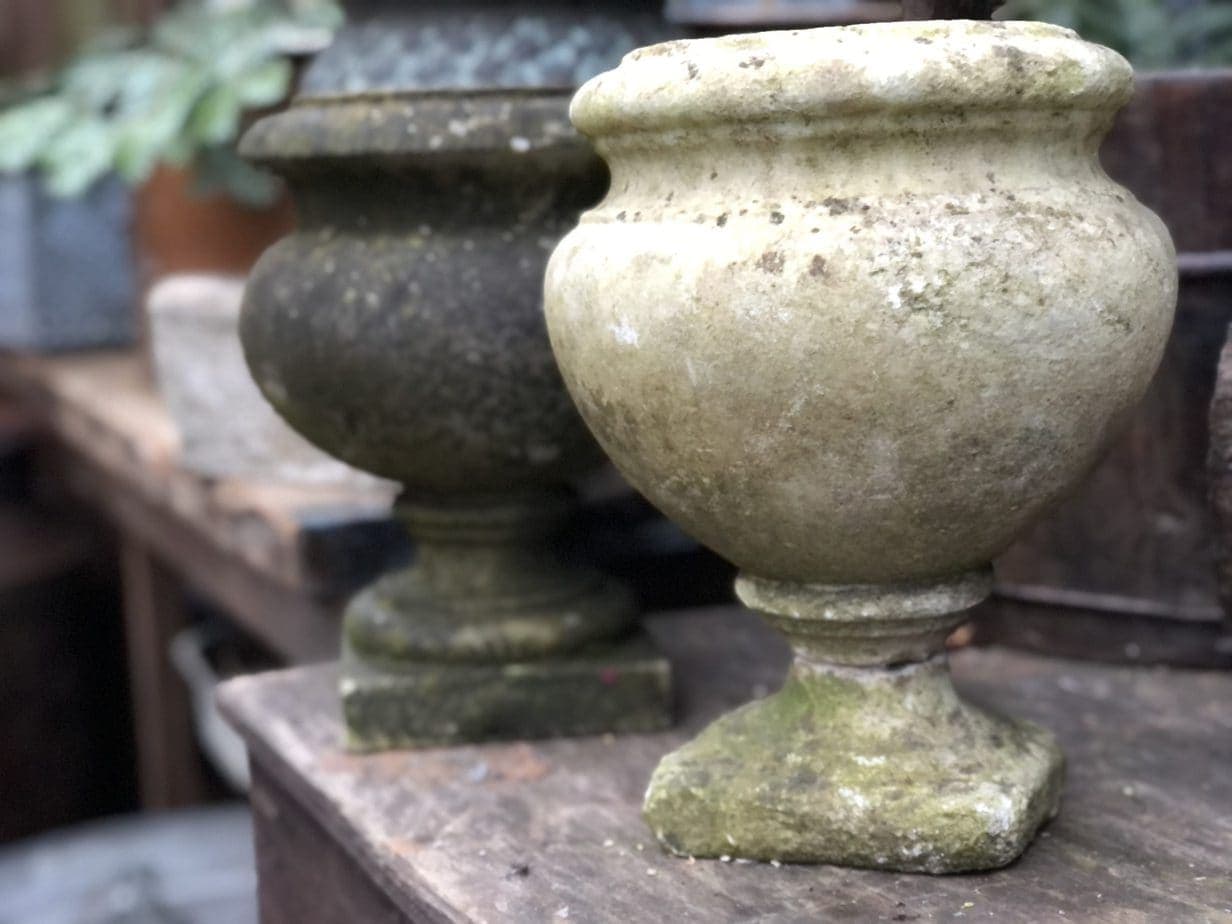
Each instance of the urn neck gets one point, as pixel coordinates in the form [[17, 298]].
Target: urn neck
[[865, 624], [485, 586], [423, 199], [484, 545], [865, 156]]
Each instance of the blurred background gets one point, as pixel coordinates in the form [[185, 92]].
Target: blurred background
[[161, 529]]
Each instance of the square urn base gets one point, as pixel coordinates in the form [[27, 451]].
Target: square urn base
[[619, 687]]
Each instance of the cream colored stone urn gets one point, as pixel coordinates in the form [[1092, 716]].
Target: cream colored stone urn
[[859, 305]]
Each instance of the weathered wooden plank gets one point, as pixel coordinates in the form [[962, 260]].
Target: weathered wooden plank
[[1119, 630], [291, 843], [551, 830], [169, 769], [279, 558], [1170, 147], [1139, 537], [103, 408], [296, 626]]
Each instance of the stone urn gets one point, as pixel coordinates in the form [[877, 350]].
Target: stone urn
[[401, 329], [860, 305]]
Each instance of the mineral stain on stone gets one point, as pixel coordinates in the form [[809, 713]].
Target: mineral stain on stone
[[772, 261]]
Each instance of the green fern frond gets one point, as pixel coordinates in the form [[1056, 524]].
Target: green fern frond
[[128, 103]]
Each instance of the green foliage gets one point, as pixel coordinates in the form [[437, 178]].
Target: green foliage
[[177, 95], [1151, 33]]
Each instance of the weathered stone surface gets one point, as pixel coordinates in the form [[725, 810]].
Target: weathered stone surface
[[401, 329], [859, 305], [392, 703], [866, 624], [227, 429], [485, 587], [847, 271], [857, 763], [860, 767]]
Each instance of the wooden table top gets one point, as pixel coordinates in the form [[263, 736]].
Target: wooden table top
[[550, 831]]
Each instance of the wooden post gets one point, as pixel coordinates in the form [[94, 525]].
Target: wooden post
[[169, 770]]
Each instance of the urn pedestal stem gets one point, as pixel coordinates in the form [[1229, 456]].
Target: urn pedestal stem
[[486, 585], [488, 635], [866, 625]]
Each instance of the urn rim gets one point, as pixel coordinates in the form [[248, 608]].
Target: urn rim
[[414, 124], [837, 72]]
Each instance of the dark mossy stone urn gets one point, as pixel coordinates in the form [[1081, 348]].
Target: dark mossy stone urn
[[401, 329]]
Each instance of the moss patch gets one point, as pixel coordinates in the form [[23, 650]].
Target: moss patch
[[877, 768]]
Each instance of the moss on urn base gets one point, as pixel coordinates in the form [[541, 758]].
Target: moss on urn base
[[488, 635], [622, 686], [486, 586], [870, 767], [867, 756]]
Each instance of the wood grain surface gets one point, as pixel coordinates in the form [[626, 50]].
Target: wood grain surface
[[551, 831]]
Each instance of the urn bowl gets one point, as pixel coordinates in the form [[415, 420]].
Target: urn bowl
[[401, 327], [860, 302]]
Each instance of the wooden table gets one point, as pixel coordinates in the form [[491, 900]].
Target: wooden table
[[278, 559], [550, 831]]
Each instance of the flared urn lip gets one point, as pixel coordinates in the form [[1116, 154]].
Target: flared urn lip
[[367, 124], [836, 72]]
